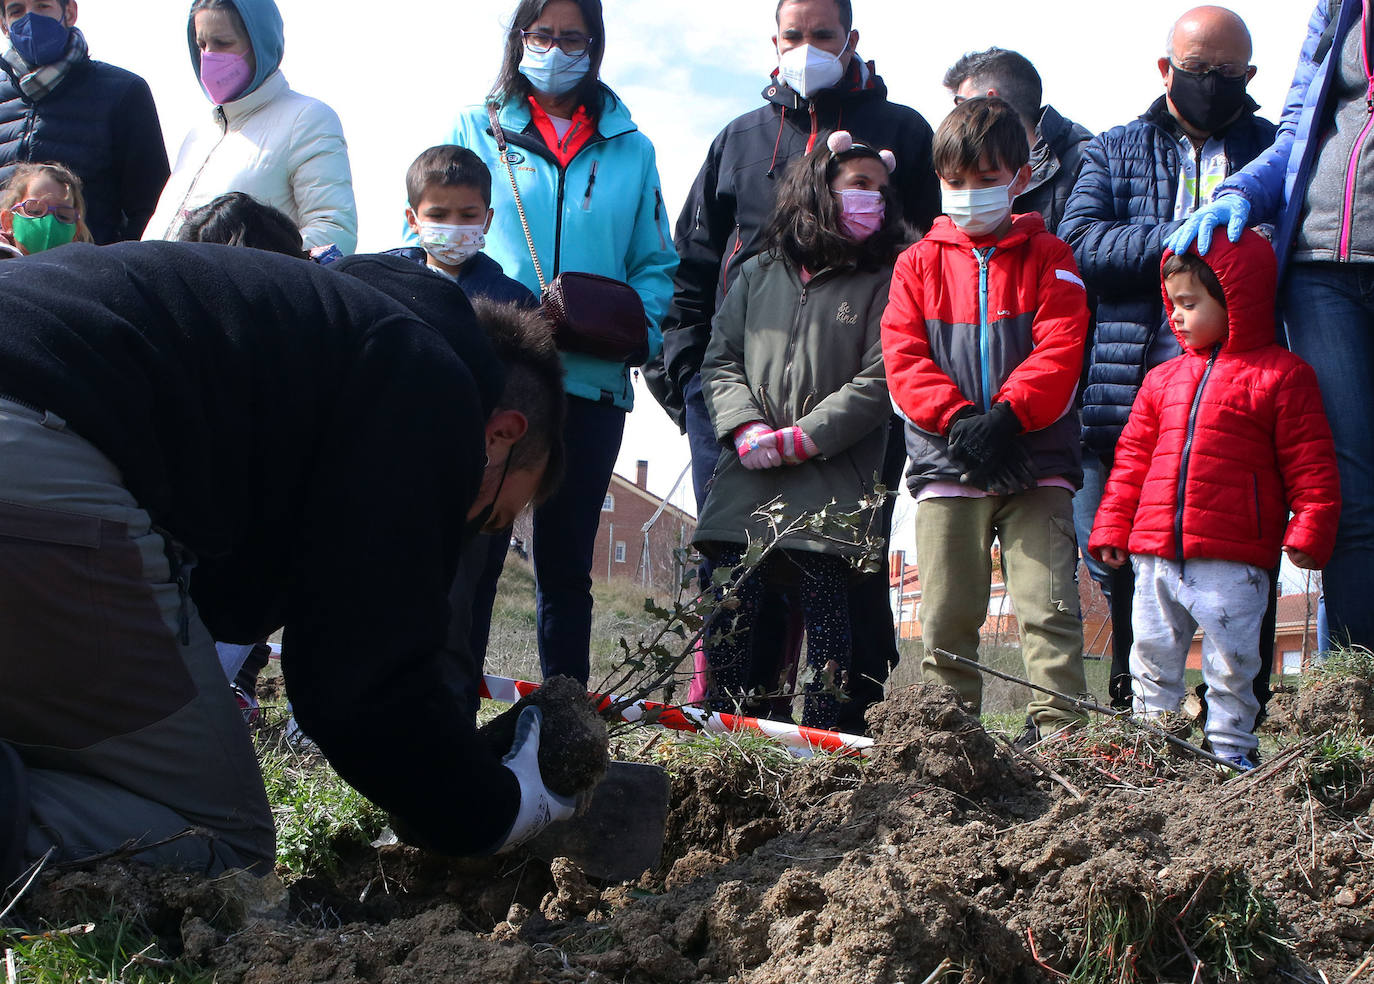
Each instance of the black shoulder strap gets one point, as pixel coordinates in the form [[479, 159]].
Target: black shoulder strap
[[1333, 13]]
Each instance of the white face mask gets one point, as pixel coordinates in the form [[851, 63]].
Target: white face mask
[[977, 211], [808, 70], [451, 244]]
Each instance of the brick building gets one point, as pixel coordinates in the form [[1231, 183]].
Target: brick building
[[621, 550], [624, 550]]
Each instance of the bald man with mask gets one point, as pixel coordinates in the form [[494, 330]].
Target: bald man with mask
[[1137, 185]]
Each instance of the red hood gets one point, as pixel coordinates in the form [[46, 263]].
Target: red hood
[[1248, 272], [1022, 228]]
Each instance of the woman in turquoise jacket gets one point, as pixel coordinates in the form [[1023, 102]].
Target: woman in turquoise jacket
[[589, 186]]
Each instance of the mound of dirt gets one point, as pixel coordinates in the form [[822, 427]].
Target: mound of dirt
[[574, 749], [944, 846], [1339, 703]]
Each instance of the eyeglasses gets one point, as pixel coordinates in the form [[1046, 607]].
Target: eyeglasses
[[35, 209], [1202, 68], [572, 44]]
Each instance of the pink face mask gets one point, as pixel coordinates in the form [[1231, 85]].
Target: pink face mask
[[224, 75], [861, 212]]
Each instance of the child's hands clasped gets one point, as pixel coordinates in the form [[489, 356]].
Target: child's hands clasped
[[978, 439], [1300, 559], [757, 446], [795, 445]]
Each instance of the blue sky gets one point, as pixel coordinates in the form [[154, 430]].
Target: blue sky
[[398, 75]]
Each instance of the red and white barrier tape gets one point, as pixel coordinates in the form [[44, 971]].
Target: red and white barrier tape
[[800, 740]]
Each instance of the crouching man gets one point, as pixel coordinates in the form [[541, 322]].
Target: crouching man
[[198, 443]]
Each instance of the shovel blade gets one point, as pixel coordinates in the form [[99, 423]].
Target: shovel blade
[[621, 834]]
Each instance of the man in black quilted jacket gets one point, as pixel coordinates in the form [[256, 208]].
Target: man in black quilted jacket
[[59, 104]]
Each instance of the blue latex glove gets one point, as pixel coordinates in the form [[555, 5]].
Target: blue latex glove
[[1232, 211]]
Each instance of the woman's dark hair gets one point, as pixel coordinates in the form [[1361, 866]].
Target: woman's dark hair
[[511, 86], [237, 219], [805, 226]]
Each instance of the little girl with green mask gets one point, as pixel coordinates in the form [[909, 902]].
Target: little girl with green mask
[[41, 207]]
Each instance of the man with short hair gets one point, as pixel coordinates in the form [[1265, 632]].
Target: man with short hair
[[819, 86], [1137, 185], [59, 104], [200, 442], [1056, 143]]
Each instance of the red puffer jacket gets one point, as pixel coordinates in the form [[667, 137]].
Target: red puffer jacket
[[1222, 443]]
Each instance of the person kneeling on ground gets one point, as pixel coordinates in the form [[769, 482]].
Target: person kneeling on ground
[[1222, 442], [146, 389]]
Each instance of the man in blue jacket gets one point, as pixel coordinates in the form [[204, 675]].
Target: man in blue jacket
[[59, 104], [1137, 185]]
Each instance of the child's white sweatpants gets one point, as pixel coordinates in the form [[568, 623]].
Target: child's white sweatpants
[[1227, 600]]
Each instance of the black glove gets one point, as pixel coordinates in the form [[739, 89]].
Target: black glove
[[1010, 473], [980, 438]]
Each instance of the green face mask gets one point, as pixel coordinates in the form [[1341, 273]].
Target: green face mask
[[36, 235]]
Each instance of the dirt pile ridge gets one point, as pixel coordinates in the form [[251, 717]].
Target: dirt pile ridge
[[945, 845]]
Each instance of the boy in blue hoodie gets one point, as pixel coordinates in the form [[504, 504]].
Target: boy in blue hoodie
[[449, 193]]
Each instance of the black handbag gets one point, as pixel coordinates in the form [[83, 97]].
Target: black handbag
[[591, 314]]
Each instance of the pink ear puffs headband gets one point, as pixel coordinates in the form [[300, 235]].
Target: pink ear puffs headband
[[842, 144]]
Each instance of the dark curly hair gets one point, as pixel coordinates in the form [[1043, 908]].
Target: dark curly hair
[[805, 225]]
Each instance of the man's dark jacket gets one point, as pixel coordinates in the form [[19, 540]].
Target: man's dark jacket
[[723, 219], [318, 448], [1117, 218], [100, 121], [1054, 167]]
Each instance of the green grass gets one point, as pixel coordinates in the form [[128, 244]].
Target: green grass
[[1232, 928], [317, 814], [106, 953], [1355, 661]]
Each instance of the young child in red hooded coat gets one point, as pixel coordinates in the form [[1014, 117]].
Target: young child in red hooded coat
[[1223, 442]]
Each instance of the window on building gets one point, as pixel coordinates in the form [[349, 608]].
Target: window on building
[[608, 503], [620, 551], [1292, 662]]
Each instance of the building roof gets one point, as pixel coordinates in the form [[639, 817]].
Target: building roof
[[621, 483]]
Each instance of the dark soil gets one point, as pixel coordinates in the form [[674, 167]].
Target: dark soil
[[573, 747], [946, 845]]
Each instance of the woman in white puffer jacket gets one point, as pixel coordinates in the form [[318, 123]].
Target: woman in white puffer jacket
[[284, 149]]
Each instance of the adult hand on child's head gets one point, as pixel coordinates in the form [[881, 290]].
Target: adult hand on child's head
[[1113, 557], [1232, 211], [1300, 559]]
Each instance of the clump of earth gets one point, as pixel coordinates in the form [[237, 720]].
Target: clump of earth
[[946, 849]]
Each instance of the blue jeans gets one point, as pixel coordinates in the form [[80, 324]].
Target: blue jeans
[[565, 536], [1085, 503], [1329, 317], [701, 440]]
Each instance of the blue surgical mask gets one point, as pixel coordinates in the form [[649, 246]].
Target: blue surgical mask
[[40, 40], [553, 71]]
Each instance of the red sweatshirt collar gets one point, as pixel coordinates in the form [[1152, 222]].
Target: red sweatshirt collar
[[574, 140]]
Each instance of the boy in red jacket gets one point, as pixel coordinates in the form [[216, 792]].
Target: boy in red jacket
[[983, 345], [1222, 443]]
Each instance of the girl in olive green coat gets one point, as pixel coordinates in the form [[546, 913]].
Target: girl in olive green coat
[[793, 380]]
